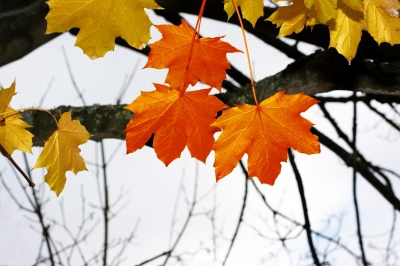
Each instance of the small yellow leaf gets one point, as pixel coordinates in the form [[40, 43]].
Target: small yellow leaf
[[101, 21], [13, 133], [61, 153], [252, 10], [292, 18], [345, 31], [326, 9], [382, 23]]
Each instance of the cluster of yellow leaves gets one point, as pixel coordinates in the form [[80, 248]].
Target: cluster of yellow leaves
[[60, 153], [345, 18]]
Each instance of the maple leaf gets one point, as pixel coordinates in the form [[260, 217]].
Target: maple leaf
[[208, 61], [326, 9], [382, 19], [101, 21], [61, 153], [346, 30], [291, 18], [252, 10], [264, 132], [13, 133], [177, 119]]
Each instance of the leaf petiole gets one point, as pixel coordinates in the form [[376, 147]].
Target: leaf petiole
[[15, 112], [247, 53], [196, 36]]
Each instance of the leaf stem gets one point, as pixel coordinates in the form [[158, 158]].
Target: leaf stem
[[247, 53], [15, 112], [196, 36]]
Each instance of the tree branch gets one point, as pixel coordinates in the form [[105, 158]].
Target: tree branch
[[22, 29], [307, 223], [361, 168]]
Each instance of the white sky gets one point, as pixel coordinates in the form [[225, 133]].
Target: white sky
[[152, 189]]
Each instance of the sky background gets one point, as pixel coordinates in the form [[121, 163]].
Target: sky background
[[152, 194]]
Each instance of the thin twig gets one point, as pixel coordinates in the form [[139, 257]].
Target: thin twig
[[246, 176], [106, 204], [175, 209], [194, 201], [126, 84], [38, 210], [78, 91], [5, 153], [12, 195], [390, 237], [46, 92], [154, 258], [357, 211], [382, 115], [307, 224]]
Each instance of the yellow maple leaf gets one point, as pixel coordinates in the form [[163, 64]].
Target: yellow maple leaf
[[101, 21], [61, 153], [252, 10], [326, 9], [382, 20], [290, 18], [345, 31], [13, 133], [293, 18]]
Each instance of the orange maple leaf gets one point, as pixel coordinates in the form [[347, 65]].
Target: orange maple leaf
[[177, 119], [207, 62], [264, 132]]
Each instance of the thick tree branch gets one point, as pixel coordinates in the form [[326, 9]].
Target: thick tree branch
[[325, 71], [103, 121], [22, 29], [310, 75]]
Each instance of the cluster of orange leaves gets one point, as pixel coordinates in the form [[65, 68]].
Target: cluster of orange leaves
[[180, 118]]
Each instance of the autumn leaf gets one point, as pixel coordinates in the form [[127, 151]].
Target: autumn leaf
[[252, 10], [208, 62], [382, 19], [13, 133], [264, 133], [379, 18], [177, 119], [326, 9], [61, 153], [291, 18], [101, 21], [346, 30]]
